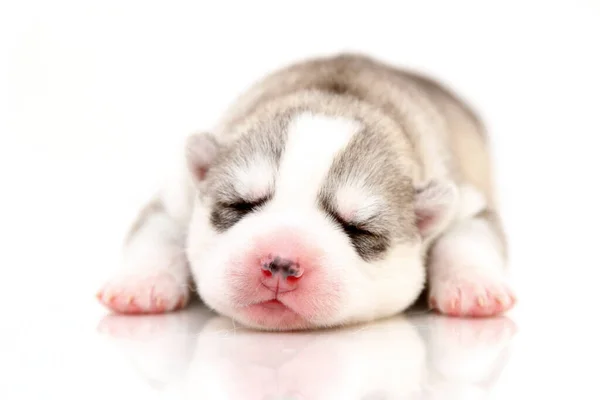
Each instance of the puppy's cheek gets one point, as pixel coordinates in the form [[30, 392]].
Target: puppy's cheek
[[383, 288], [207, 254]]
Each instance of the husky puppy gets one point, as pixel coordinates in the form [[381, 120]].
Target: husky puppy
[[334, 191]]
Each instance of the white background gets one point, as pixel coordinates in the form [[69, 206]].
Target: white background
[[95, 97]]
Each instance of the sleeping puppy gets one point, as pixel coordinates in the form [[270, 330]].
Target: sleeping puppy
[[334, 191]]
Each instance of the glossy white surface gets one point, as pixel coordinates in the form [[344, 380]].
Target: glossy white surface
[[96, 96], [198, 355], [194, 354]]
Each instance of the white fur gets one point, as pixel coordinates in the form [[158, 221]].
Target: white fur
[[313, 142], [354, 202], [256, 181], [472, 201], [368, 290], [471, 243], [384, 287], [466, 267], [156, 246], [467, 260], [153, 259], [154, 268], [442, 199]]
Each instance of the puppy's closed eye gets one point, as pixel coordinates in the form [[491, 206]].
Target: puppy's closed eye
[[227, 214], [351, 228], [367, 242], [244, 207]]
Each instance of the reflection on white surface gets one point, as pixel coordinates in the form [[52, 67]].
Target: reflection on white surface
[[196, 354]]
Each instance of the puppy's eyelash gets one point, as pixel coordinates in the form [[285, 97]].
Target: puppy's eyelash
[[245, 206], [226, 214], [352, 229]]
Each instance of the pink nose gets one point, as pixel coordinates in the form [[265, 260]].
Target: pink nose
[[281, 274]]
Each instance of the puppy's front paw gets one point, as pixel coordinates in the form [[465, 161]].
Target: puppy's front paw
[[470, 292], [139, 293]]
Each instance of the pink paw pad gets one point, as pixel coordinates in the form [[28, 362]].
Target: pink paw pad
[[155, 294], [471, 299]]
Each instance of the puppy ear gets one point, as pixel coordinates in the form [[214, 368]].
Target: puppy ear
[[202, 150], [434, 206]]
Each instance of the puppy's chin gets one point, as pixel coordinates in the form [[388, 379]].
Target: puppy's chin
[[276, 316], [269, 318]]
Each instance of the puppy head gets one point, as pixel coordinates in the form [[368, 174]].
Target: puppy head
[[308, 221]]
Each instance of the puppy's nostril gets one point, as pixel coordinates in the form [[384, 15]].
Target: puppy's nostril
[[291, 272], [270, 267], [286, 268], [266, 271]]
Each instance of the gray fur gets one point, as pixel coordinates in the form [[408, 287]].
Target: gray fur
[[265, 141], [415, 131], [369, 159]]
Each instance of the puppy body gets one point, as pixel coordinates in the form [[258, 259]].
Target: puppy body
[[331, 192]]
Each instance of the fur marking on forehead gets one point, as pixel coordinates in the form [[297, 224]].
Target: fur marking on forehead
[[247, 166], [255, 180], [355, 203], [313, 142]]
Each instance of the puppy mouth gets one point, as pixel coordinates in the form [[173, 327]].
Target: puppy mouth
[[271, 308], [273, 314], [273, 304]]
